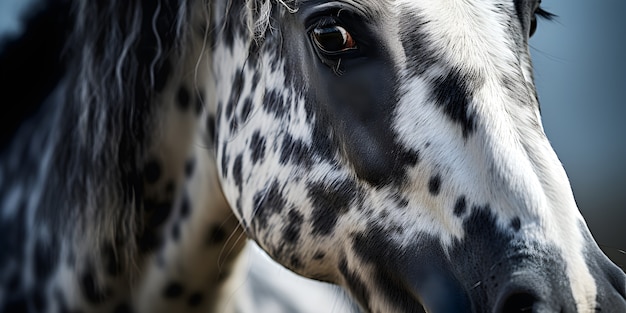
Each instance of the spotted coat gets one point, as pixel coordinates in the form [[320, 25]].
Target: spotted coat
[[393, 148]]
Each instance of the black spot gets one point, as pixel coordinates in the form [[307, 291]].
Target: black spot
[[451, 92], [267, 203], [152, 171], [257, 147], [255, 79], [323, 141], [173, 290], [156, 212], [237, 166], [246, 108], [123, 308], [401, 201], [516, 224], [329, 202], [235, 93], [92, 292], [273, 102], [195, 299], [356, 285], [434, 185], [148, 241], [210, 128], [185, 207], [225, 160], [295, 262], [218, 113], [169, 189], [222, 275], [294, 150], [229, 110], [460, 206], [183, 98], [215, 235], [238, 205], [416, 44], [253, 55], [291, 228], [409, 157], [189, 167], [383, 214], [319, 255]]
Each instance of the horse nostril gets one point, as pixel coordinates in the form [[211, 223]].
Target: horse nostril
[[518, 302]]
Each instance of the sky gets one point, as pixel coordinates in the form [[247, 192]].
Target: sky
[[580, 73]]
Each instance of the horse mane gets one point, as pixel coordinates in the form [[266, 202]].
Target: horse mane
[[97, 115], [259, 15], [80, 148]]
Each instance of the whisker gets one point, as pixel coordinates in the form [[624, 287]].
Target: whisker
[[223, 257]]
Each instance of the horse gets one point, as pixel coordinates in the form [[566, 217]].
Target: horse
[[391, 147]]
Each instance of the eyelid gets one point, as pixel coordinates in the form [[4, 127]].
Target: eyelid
[[325, 21]]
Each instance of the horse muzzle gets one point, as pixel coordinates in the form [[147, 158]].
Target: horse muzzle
[[439, 282], [486, 271]]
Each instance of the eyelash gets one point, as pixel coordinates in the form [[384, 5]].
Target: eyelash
[[538, 13]]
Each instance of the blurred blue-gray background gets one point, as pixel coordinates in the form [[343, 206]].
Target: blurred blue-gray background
[[580, 72]]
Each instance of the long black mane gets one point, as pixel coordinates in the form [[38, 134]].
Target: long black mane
[[80, 82]]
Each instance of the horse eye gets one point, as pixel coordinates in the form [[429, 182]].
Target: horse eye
[[533, 26], [333, 39], [538, 13]]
